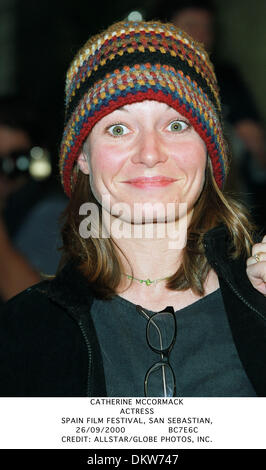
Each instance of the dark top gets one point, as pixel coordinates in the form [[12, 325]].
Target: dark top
[[49, 347], [204, 358]]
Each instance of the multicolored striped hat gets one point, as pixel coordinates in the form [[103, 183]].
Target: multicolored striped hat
[[135, 61]]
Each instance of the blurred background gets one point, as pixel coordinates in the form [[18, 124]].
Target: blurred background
[[38, 39]]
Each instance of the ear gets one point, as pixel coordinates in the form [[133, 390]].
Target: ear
[[83, 163]]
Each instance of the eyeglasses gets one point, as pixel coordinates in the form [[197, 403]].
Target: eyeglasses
[[161, 336]]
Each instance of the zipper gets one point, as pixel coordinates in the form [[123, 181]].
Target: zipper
[[83, 331], [240, 296]]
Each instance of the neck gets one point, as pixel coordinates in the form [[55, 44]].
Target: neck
[[152, 258], [149, 258]]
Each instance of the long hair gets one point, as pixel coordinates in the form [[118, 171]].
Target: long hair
[[98, 258]]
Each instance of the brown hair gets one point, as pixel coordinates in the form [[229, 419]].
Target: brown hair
[[98, 260]]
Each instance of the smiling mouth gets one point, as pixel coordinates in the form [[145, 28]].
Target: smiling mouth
[[151, 181]]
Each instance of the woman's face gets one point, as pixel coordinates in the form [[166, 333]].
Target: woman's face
[[145, 140]]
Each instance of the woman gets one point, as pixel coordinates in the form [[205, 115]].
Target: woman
[[132, 311]]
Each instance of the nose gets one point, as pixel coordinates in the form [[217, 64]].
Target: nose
[[149, 150]]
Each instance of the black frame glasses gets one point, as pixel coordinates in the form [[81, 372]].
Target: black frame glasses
[[161, 341]]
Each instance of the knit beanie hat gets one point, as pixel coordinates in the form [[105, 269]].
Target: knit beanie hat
[[136, 61]]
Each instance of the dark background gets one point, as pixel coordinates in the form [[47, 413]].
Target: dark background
[[38, 39]]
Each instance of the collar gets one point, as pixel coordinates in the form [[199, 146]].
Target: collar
[[71, 290], [232, 271]]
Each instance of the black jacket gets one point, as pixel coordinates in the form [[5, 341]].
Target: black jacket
[[49, 345]]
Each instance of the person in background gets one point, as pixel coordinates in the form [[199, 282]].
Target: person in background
[[30, 202], [244, 124]]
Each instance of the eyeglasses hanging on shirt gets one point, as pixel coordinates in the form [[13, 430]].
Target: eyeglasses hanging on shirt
[[161, 335]]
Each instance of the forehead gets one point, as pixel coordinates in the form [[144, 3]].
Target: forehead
[[148, 107]]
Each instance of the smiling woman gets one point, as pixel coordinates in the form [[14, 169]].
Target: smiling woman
[[145, 153], [132, 312]]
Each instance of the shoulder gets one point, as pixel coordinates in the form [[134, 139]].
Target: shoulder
[[219, 249], [31, 320], [28, 297], [32, 311]]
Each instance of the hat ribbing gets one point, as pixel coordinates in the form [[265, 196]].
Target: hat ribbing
[[132, 62]]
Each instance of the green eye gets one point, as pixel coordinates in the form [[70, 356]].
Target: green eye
[[118, 129], [178, 126]]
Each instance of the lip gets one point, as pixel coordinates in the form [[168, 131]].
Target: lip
[[150, 181]]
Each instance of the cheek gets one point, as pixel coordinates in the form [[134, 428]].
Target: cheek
[[193, 157], [104, 161]]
